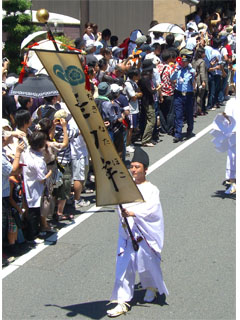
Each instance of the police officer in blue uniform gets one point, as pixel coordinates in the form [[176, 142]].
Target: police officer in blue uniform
[[184, 75]]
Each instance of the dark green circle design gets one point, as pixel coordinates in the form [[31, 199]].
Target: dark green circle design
[[74, 75]]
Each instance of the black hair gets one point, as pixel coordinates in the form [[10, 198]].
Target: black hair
[[49, 99], [153, 23], [149, 39], [170, 39], [156, 45], [88, 24], [37, 140], [133, 72], [167, 54], [104, 51], [157, 34], [106, 33], [216, 43], [114, 41], [22, 117], [198, 53], [24, 101], [147, 73], [79, 43], [102, 62], [92, 63], [90, 70], [46, 125]]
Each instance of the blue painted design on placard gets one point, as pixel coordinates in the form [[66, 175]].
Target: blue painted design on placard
[[73, 75]]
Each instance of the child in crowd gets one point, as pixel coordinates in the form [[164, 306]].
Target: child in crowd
[[35, 175], [133, 93], [50, 152]]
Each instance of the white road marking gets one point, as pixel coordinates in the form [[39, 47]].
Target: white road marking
[[178, 149], [54, 237]]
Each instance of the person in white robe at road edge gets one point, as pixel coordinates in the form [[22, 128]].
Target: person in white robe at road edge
[[146, 222]]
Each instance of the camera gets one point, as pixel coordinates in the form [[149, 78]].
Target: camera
[[4, 59]]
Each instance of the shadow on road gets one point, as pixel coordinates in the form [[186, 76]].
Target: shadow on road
[[221, 194], [98, 309], [92, 310]]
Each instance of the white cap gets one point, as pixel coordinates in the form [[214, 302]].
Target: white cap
[[11, 81], [116, 88], [5, 123], [192, 25]]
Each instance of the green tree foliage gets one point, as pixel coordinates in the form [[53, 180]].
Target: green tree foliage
[[18, 26], [65, 40]]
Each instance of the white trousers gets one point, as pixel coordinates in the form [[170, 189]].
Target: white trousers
[[231, 165], [146, 263]]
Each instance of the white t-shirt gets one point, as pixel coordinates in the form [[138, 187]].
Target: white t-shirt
[[152, 56], [130, 92], [224, 52], [216, 54], [33, 173], [78, 146], [88, 37]]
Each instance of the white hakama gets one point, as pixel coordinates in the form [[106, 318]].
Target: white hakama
[[147, 224]]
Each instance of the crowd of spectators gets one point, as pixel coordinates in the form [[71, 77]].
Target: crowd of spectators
[[144, 87]]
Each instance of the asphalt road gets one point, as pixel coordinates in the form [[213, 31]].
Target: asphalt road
[[73, 277]]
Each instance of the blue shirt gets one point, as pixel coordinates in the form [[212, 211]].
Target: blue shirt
[[6, 170], [208, 53], [185, 78]]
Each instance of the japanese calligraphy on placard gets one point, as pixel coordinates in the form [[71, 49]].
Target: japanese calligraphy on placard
[[114, 184]]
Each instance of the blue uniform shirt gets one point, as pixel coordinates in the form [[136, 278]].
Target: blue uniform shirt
[[185, 78]]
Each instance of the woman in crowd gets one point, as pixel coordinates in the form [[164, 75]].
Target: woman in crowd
[[50, 152]]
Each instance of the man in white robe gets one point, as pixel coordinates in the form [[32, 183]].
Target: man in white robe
[[146, 223]]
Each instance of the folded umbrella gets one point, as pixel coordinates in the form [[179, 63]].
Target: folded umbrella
[[35, 87]]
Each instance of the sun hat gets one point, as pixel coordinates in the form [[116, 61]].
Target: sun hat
[[141, 40], [104, 89], [116, 50], [115, 88], [62, 114]]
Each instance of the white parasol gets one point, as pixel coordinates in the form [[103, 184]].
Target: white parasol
[[33, 60], [167, 27], [30, 37]]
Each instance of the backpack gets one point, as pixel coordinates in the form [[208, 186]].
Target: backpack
[[124, 44]]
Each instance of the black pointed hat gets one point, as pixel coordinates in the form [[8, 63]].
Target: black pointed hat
[[141, 156]]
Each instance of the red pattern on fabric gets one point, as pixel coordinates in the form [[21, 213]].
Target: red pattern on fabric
[[167, 86]]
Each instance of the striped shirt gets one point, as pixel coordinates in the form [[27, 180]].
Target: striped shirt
[[64, 155]]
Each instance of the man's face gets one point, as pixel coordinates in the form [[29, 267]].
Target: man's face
[[138, 172], [185, 63]]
